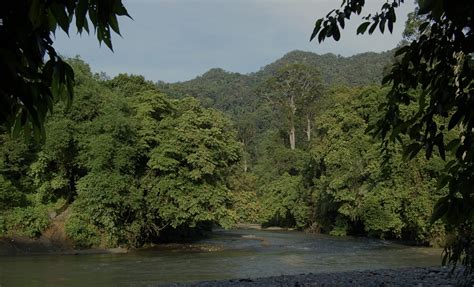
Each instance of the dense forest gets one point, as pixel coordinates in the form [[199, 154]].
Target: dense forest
[[134, 162]]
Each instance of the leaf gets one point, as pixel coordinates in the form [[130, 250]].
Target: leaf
[[336, 33], [373, 27], [429, 150], [452, 145], [330, 12], [411, 151], [322, 34], [340, 19], [402, 50], [81, 12], [114, 24], [35, 13], [362, 27], [69, 75], [423, 26], [61, 17], [441, 150], [443, 181], [55, 82], [93, 17], [52, 22], [317, 27], [390, 26], [108, 41], [455, 118], [437, 8], [425, 6], [440, 209], [382, 25], [387, 79], [392, 16]]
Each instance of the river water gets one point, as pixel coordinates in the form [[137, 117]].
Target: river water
[[225, 255]]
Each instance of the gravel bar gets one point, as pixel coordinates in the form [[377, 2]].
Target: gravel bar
[[426, 276]]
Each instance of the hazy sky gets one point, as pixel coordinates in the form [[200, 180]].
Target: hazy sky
[[176, 40]]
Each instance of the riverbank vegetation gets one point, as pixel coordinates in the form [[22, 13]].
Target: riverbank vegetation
[[127, 162], [135, 162]]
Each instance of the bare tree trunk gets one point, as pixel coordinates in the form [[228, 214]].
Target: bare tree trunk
[[292, 123], [308, 127], [292, 138], [245, 165]]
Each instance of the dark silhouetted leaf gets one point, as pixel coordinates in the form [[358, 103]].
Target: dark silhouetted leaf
[[362, 27], [317, 27]]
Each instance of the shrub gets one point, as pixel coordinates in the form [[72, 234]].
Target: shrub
[[29, 221], [81, 232]]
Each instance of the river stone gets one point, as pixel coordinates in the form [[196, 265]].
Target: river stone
[[419, 276]]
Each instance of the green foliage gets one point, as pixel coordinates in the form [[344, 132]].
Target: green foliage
[[354, 71], [130, 162], [438, 64], [340, 227], [293, 90], [196, 149], [337, 182], [34, 76], [284, 205], [245, 201], [81, 231], [136, 166], [412, 26], [354, 185], [10, 196], [30, 221], [15, 156]]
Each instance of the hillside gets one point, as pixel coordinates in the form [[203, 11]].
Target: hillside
[[358, 70], [237, 94]]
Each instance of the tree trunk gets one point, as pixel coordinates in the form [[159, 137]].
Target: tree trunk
[[292, 138], [308, 127], [245, 165], [292, 124]]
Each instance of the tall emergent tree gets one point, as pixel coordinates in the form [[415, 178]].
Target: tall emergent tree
[[438, 65], [32, 75], [295, 87]]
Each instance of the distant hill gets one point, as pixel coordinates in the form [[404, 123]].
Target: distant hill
[[235, 93], [358, 70], [218, 89]]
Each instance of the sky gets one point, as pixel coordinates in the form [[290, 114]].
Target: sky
[[177, 40]]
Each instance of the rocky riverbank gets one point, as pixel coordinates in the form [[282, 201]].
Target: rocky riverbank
[[428, 276]]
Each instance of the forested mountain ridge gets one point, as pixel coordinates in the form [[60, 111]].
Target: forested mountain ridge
[[357, 70], [235, 93], [216, 88]]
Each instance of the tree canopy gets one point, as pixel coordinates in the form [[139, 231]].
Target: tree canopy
[[128, 164], [32, 74], [435, 73]]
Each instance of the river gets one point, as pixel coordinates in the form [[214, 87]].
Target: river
[[225, 255]]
